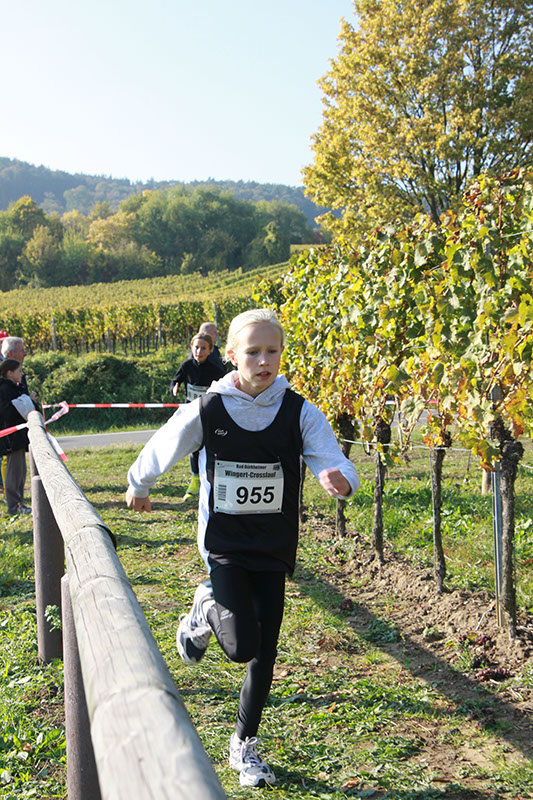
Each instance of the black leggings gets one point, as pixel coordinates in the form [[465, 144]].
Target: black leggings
[[246, 619], [193, 462]]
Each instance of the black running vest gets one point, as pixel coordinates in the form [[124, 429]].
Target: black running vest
[[256, 541]]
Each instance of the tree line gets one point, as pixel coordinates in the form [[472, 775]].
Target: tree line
[[153, 233], [57, 191]]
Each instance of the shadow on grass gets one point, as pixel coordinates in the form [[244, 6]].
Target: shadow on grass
[[471, 699], [120, 489], [21, 537], [318, 788], [125, 540], [179, 507]]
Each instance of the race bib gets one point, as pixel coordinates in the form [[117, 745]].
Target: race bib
[[193, 392], [248, 488]]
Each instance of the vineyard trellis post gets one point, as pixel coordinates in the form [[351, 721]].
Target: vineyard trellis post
[[511, 452], [346, 430], [436, 458], [498, 538], [383, 438]]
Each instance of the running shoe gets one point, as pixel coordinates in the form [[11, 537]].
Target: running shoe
[[194, 631], [194, 485], [245, 759]]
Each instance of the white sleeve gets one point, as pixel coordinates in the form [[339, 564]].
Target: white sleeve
[[178, 437], [23, 404], [321, 449]]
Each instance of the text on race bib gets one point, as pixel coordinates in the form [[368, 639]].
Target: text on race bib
[[247, 488], [193, 392]]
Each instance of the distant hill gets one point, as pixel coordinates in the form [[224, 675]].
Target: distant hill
[[59, 191]]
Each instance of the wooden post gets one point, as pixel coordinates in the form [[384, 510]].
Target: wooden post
[[49, 556], [54, 341], [82, 776]]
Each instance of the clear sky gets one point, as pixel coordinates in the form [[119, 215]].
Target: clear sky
[[166, 89]]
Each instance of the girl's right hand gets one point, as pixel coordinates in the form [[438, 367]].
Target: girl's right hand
[[137, 503]]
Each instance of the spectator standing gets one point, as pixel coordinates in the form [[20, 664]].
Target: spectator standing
[[15, 405], [13, 347], [3, 335]]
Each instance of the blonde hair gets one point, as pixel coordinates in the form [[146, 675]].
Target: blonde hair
[[256, 316]]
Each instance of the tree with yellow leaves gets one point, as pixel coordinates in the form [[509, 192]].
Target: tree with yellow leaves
[[423, 96]]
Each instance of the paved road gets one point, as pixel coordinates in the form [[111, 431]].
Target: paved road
[[104, 439]]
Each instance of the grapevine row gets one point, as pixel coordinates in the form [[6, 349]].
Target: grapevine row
[[435, 319], [138, 327], [215, 286]]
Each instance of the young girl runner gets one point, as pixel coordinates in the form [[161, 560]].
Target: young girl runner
[[197, 373], [252, 430]]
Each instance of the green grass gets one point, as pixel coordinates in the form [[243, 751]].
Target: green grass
[[347, 717]]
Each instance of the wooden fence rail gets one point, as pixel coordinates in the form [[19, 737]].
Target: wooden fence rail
[[145, 745]]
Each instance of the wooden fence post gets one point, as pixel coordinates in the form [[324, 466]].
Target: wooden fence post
[[82, 776], [49, 557]]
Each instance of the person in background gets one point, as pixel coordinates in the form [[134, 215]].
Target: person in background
[[15, 405], [254, 432], [214, 357], [13, 347], [3, 335], [196, 374]]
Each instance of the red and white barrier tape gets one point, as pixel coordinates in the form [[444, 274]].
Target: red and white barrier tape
[[13, 428], [57, 447], [115, 405], [63, 409]]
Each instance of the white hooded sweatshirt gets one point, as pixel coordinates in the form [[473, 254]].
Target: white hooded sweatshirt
[[183, 434]]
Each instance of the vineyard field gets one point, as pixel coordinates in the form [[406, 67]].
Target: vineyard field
[[169, 289], [128, 316]]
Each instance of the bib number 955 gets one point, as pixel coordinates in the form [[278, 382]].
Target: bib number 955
[[247, 488], [257, 494]]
